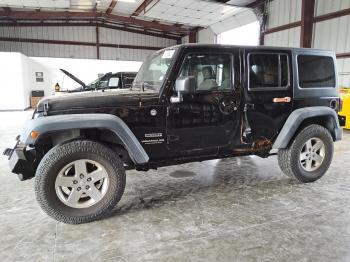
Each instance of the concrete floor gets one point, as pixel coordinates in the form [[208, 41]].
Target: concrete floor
[[241, 209]]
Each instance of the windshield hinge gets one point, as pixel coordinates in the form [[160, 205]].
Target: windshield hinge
[[46, 108]]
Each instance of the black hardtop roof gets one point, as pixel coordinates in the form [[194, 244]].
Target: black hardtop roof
[[251, 47]]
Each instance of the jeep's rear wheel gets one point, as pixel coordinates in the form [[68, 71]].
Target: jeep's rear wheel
[[79, 182], [309, 156]]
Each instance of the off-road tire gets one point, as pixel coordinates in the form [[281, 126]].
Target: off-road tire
[[288, 159], [60, 156]]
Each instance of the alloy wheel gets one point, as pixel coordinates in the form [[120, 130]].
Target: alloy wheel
[[81, 183], [312, 154]]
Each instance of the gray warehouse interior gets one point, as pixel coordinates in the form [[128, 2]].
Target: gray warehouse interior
[[232, 209]]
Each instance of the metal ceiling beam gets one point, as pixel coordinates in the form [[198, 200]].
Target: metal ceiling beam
[[92, 23], [282, 27], [78, 43], [336, 14], [256, 4], [142, 7], [111, 7], [56, 15]]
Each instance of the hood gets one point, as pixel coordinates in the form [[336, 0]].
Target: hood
[[73, 77], [98, 100]]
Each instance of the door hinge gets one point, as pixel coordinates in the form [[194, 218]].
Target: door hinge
[[174, 110], [172, 138], [248, 107]]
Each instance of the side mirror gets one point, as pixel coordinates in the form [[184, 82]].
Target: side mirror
[[183, 85]]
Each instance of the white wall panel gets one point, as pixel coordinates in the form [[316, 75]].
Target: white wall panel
[[283, 12], [121, 37], [50, 50], [206, 36], [108, 53], [285, 38], [68, 33], [328, 6], [185, 39], [80, 34]]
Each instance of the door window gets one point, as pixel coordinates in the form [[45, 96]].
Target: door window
[[211, 71], [268, 71], [113, 82]]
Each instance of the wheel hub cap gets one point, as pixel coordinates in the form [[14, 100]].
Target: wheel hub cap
[[312, 154], [81, 183]]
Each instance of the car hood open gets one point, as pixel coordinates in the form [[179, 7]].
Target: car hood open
[[76, 79]]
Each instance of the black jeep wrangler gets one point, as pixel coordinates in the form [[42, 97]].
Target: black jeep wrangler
[[188, 103]]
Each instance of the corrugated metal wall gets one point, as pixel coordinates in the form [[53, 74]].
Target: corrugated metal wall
[[327, 6], [288, 38], [333, 34], [81, 34], [281, 12]]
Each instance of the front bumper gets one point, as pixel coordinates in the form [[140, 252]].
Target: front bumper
[[20, 161]]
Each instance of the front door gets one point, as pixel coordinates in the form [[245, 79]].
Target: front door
[[207, 120], [268, 92]]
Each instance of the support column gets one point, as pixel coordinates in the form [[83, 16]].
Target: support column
[[97, 43], [193, 37], [307, 19]]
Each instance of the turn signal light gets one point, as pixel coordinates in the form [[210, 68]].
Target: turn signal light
[[34, 135]]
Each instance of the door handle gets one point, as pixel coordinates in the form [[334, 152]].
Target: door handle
[[286, 99]]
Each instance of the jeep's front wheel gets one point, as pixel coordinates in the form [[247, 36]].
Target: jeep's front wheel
[[79, 182], [309, 156]]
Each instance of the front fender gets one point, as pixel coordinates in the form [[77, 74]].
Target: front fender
[[298, 116], [113, 123]]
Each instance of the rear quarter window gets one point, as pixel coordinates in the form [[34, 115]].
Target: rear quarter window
[[316, 71]]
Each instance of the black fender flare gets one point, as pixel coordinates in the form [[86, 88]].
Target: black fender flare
[[44, 125], [298, 116]]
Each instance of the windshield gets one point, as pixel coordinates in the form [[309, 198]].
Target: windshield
[[99, 83], [153, 71]]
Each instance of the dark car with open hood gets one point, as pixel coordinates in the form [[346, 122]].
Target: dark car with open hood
[[108, 81], [188, 103]]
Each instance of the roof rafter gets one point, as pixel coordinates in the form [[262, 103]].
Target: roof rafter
[[6, 9], [56, 15], [111, 7], [143, 6], [256, 3], [93, 23]]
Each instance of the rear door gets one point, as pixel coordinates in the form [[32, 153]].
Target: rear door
[[268, 92]]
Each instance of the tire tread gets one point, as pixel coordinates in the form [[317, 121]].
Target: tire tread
[[59, 152]]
